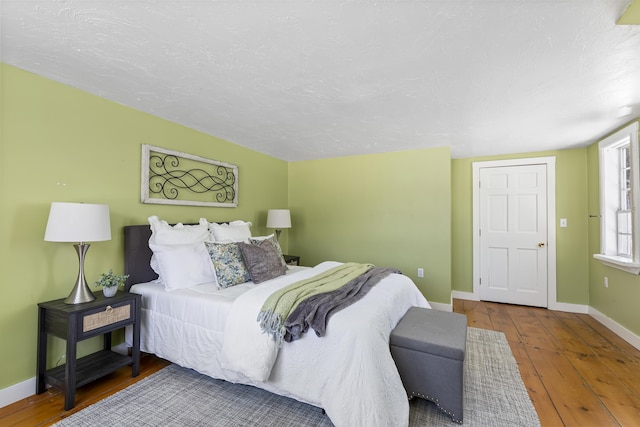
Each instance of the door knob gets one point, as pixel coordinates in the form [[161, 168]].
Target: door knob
[[541, 245]]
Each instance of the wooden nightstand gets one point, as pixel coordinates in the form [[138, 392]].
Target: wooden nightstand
[[292, 259], [77, 322]]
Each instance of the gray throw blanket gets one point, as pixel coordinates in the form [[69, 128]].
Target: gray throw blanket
[[315, 311]]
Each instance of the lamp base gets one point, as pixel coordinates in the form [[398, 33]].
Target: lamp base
[[81, 292]]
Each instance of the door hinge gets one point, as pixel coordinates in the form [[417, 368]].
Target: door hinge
[[481, 281]]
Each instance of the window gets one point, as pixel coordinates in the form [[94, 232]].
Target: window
[[624, 222], [619, 194]]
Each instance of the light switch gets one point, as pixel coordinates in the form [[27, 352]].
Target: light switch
[[563, 222]]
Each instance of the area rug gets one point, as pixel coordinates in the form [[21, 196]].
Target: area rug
[[494, 395]]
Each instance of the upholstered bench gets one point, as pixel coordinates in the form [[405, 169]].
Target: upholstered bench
[[428, 347]]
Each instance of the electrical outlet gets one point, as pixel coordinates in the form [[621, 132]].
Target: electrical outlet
[[606, 282], [420, 272], [61, 360]]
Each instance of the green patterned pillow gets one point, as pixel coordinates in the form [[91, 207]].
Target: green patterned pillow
[[228, 264]]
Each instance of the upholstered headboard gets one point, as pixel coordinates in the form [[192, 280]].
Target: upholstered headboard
[[137, 255]]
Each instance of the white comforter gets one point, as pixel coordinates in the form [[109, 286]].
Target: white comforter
[[349, 372]]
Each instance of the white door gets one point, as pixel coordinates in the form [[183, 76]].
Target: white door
[[513, 234]]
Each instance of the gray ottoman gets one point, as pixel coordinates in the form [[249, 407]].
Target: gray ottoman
[[428, 347]]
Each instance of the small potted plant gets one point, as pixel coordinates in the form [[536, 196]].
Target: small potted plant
[[110, 282]]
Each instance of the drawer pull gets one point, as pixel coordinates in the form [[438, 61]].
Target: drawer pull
[[107, 317]]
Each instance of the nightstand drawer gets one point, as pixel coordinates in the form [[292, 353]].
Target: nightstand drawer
[[109, 316]]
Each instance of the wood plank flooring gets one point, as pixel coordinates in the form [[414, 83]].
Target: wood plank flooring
[[48, 408], [577, 372]]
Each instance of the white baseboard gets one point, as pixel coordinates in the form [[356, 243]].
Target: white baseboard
[[440, 306], [569, 308], [121, 348], [17, 392], [617, 328], [470, 296]]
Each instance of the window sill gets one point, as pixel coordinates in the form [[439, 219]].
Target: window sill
[[620, 263]]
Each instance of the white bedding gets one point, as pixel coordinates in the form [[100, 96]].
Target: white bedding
[[349, 372]]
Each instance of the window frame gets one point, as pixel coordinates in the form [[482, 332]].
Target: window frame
[[610, 196]]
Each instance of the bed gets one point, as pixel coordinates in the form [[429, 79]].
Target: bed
[[349, 372]]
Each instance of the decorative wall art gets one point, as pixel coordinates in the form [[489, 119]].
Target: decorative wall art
[[175, 178]]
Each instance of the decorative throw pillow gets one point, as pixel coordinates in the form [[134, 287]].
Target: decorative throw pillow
[[262, 261], [271, 239], [235, 231], [183, 266], [228, 264]]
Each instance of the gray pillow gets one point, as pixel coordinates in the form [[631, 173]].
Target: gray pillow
[[275, 244], [262, 261]]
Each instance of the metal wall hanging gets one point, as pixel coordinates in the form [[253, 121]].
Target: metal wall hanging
[[174, 178]]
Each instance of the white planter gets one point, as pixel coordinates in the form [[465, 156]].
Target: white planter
[[109, 292]]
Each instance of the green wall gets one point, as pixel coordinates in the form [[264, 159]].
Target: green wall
[[572, 255], [61, 144], [620, 300], [408, 210], [390, 209]]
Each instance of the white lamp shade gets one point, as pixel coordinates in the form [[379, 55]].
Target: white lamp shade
[[78, 222], [278, 218]]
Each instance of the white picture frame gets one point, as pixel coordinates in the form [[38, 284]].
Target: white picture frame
[[174, 178]]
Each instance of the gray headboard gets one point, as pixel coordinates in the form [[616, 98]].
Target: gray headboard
[[137, 255]]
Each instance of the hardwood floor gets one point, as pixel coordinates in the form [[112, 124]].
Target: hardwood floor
[[48, 408], [577, 372]]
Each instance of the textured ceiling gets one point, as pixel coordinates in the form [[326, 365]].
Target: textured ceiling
[[305, 79]]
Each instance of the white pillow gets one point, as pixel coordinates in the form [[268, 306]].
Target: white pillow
[[183, 266], [164, 234], [235, 231]]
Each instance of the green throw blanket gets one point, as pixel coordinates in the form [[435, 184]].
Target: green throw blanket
[[281, 303]]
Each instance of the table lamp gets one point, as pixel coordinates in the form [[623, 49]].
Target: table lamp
[[278, 219], [78, 222]]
